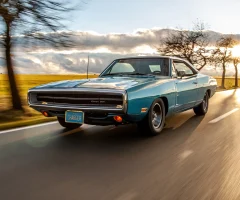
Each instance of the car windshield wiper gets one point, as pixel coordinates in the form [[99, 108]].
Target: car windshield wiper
[[128, 74], [141, 74], [118, 74]]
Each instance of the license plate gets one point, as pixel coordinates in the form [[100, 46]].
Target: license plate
[[74, 117]]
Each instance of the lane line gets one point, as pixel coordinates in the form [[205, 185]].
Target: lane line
[[223, 116], [185, 154], [27, 127]]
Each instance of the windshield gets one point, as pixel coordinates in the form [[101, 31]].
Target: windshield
[[139, 66]]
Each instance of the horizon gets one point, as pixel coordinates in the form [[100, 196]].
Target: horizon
[[102, 48]]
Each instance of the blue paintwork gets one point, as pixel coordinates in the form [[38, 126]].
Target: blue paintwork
[[180, 93]]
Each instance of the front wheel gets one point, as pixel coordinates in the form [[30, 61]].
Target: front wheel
[[202, 108], [67, 125], [155, 119]]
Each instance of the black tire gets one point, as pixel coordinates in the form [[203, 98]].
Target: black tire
[[154, 121], [202, 108], [69, 126]]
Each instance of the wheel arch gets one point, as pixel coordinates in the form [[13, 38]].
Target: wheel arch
[[209, 92], [166, 104]]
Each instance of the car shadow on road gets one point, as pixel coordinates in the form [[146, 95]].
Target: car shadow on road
[[179, 128]]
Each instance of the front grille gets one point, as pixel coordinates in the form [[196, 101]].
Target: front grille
[[82, 99]]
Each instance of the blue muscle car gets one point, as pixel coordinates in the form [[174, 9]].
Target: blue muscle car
[[141, 90]]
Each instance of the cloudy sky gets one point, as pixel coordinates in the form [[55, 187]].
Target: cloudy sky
[[110, 29], [125, 16]]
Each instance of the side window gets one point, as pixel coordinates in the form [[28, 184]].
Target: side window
[[121, 68], [174, 73], [181, 66]]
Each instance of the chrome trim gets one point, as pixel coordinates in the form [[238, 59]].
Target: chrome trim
[[103, 72], [97, 90], [125, 102], [71, 98], [77, 107], [68, 107]]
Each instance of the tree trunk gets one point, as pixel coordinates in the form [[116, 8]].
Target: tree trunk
[[16, 101], [223, 76], [236, 76], [199, 68]]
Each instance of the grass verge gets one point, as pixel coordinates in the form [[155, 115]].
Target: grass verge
[[22, 123], [13, 119]]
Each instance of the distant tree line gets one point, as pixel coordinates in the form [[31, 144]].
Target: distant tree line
[[193, 46]]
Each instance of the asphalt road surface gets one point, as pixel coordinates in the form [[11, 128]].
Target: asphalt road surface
[[193, 158]]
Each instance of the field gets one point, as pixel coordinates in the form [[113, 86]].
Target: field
[[10, 118], [229, 82], [28, 81]]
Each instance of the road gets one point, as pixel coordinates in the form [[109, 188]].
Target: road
[[193, 158]]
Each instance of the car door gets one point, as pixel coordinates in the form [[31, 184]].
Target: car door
[[186, 86]]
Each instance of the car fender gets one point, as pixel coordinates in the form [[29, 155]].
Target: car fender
[[142, 97]]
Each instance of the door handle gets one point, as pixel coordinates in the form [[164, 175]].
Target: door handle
[[195, 83]]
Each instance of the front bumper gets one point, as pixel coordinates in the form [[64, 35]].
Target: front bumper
[[92, 118], [44, 106], [64, 108], [93, 114]]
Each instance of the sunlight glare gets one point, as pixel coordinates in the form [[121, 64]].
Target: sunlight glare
[[236, 51], [237, 96]]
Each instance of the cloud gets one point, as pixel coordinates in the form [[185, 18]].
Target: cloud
[[57, 63], [102, 48], [116, 42]]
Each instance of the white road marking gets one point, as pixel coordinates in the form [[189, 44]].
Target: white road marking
[[185, 154], [50, 123], [223, 116], [27, 127]]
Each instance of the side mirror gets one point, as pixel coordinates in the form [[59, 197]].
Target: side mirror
[[181, 74]]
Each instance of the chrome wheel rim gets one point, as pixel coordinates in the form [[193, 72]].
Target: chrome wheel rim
[[205, 102], [157, 116]]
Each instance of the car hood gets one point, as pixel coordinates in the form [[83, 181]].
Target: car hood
[[120, 83]]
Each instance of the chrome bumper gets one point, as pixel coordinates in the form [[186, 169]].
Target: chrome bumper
[[64, 107]]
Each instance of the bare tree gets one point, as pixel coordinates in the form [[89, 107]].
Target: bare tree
[[189, 45], [236, 62], [222, 55], [27, 18]]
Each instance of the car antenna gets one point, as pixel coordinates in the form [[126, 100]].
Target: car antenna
[[87, 65]]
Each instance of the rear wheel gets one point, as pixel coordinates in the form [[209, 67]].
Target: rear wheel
[[67, 125], [203, 107], [155, 119]]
